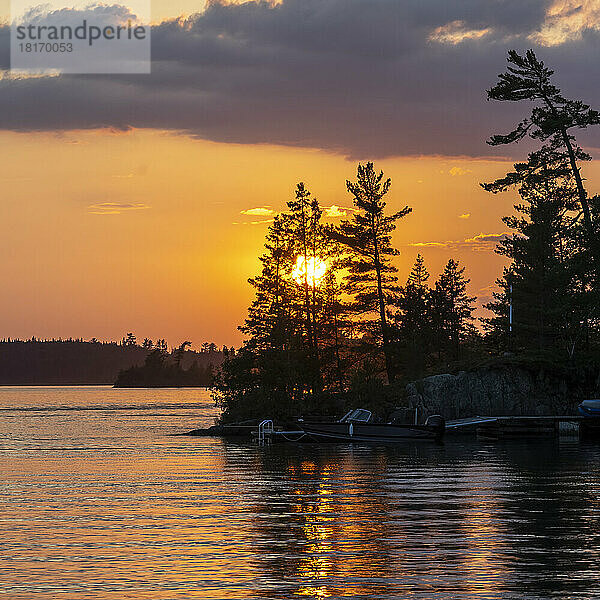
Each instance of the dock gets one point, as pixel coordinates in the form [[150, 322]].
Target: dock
[[492, 428], [516, 426]]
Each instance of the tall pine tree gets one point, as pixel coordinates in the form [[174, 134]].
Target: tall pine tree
[[414, 320], [452, 308], [551, 121], [547, 283], [371, 281]]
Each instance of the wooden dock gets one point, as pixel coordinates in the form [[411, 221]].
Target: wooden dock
[[516, 426], [504, 427]]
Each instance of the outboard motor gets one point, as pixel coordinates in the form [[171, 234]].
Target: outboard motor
[[438, 422]]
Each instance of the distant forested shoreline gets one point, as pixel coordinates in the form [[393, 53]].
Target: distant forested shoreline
[[79, 362]]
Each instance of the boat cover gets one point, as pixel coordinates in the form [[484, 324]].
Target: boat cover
[[590, 408]]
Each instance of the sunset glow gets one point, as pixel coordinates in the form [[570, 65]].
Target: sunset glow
[[166, 204], [300, 299], [317, 268]]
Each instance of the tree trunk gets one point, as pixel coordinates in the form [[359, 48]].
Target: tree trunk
[[389, 366], [581, 193]]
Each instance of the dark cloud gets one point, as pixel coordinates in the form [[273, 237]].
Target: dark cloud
[[360, 77]]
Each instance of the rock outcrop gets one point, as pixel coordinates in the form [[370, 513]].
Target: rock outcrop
[[499, 391]]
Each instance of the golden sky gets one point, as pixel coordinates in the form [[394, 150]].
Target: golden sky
[[105, 232]]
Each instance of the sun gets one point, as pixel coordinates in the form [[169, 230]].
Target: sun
[[314, 267]]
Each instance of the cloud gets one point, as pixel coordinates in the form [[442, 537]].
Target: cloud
[[457, 171], [261, 222], [477, 243], [485, 294], [464, 216], [486, 237], [430, 244], [456, 32], [567, 20], [335, 212], [115, 208], [261, 211], [285, 73]]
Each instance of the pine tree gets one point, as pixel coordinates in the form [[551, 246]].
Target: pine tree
[[414, 319], [312, 250], [269, 370], [371, 280], [419, 275], [551, 120], [546, 283], [300, 224], [269, 324], [180, 353], [452, 307], [332, 331]]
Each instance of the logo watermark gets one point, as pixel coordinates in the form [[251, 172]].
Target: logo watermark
[[96, 38]]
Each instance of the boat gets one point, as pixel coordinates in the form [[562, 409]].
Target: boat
[[590, 424], [358, 426]]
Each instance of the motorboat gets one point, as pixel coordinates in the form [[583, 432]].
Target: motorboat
[[590, 411], [358, 426]]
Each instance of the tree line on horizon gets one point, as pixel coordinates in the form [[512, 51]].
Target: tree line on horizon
[[70, 361], [162, 368], [129, 340], [330, 315]]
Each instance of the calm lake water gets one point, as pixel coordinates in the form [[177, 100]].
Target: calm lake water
[[99, 501]]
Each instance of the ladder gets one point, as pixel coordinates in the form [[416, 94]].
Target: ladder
[[265, 428]]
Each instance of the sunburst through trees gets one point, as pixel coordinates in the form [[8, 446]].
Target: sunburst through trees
[[328, 313]]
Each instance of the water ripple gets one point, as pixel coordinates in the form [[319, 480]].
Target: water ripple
[[101, 502]]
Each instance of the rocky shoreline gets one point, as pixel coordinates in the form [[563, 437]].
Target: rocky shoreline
[[509, 390], [494, 390]]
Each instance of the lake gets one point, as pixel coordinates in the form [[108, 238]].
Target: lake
[[99, 500]]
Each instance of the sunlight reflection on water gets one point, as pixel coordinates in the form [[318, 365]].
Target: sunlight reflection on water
[[103, 503]]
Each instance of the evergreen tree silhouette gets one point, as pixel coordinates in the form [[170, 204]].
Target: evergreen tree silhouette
[[371, 282]]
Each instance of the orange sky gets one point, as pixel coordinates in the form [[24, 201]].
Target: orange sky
[[175, 264]]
